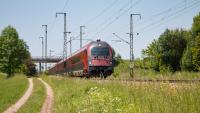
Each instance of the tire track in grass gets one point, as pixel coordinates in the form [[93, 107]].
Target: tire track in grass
[[22, 100], [48, 103], [36, 100]]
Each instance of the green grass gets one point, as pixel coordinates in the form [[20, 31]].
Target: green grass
[[85, 96], [35, 102], [11, 89]]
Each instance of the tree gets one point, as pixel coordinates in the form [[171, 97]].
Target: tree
[[196, 44], [30, 68], [152, 54], [13, 51], [176, 49], [186, 61], [117, 59], [196, 53], [172, 44], [166, 51], [196, 25]]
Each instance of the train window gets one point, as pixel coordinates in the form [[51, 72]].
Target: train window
[[96, 51]]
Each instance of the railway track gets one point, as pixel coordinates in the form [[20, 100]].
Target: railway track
[[151, 80], [139, 80]]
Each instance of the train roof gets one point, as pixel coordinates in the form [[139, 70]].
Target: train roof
[[92, 43]]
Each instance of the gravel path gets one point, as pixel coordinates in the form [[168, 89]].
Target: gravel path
[[22, 100], [48, 103]]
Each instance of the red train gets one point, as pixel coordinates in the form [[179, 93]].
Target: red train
[[94, 59]]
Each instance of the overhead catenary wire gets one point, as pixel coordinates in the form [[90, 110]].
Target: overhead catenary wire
[[182, 9], [163, 13], [168, 13], [113, 15], [110, 17], [65, 5], [103, 11], [175, 16], [178, 12], [117, 17], [54, 20]]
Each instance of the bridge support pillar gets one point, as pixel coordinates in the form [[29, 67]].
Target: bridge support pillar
[[40, 67]]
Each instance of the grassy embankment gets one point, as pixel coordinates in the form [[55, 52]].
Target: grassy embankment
[[85, 96], [11, 89], [35, 102], [122, 71]]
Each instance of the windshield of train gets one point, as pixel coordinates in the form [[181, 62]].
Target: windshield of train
[[100, 51]]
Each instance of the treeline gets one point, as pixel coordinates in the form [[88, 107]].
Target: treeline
[[174, 50], [14, 54]]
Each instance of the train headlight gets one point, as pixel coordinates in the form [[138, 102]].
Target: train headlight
[[110, 62]]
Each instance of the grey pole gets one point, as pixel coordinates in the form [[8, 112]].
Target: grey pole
[[42, 49], [131, 44], [81, 33], [65, 35], [50, 51], [70, 45], [45, 46], [69, 41]]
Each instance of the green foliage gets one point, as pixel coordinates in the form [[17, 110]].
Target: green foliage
[[172, 45], [191, 56], [164, 69], [176, 49], [99, 100], [167, 50], [13, 51], [196, 25], [11, 89], [88, 96], [186, 62], [144, 63], [116, 73], [196, 53], [140, 72], [30, 68], [122, 67], [117, 60], [152, 54]]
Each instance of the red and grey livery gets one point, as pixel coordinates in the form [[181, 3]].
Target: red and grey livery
[[94, 59]]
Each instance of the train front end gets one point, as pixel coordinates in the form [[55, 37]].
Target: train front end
[[100, 59]]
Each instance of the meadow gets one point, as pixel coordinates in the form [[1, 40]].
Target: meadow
[[74, 95], [11, 89], [121, 71]]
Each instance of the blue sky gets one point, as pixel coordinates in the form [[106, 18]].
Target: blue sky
[[101, 18]]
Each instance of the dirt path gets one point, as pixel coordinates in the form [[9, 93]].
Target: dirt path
[[22, 100], [48, 103]]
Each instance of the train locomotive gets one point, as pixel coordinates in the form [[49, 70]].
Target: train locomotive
[[94, 59]]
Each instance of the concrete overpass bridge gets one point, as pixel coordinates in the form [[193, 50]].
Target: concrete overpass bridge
[[54, 59], [40, 60]]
